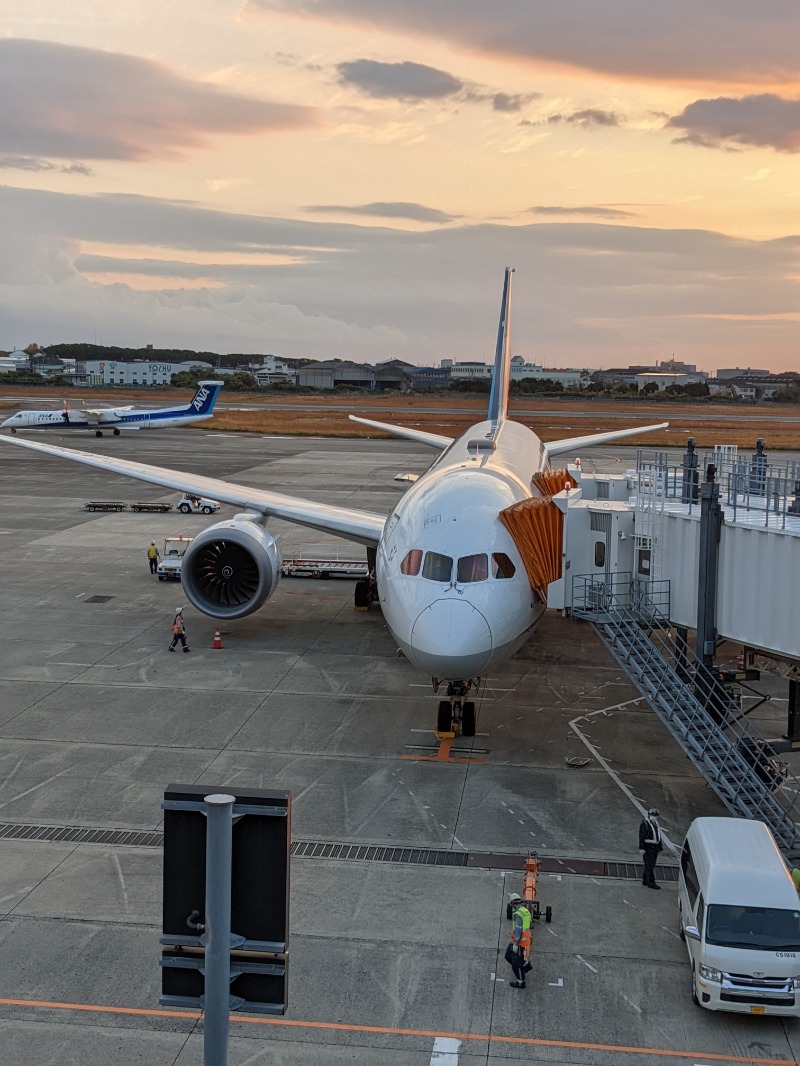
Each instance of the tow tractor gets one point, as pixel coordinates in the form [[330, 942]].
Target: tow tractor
[[532, 866], [169, 567]]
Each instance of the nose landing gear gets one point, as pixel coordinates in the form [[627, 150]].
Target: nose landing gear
[[456, 710]]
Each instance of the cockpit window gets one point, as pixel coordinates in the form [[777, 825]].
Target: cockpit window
[[502, 566], [412, 563], [472, 568], [437, 567]]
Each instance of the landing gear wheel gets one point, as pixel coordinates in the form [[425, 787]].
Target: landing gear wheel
[[468, 719], [509, 911], [97, 433], [116, 432], [444, 717], [361, 598], [548, 914]]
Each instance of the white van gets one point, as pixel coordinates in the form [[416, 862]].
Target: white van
[[740, 918]]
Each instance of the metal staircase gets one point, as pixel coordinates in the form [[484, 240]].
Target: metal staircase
[[631, 617]]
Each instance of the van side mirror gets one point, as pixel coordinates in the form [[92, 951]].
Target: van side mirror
[[692, 932]]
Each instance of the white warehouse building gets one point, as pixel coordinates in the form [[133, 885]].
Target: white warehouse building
[[139, 372]]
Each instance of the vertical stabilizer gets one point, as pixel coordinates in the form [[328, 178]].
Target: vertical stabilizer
[[498, 398], [202, 403]]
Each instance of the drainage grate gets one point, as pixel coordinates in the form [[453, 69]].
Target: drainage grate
[[310, 849], [98, 599], [376, 853], [82, 835]]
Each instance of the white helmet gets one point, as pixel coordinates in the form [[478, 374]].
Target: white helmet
[[179, 610]]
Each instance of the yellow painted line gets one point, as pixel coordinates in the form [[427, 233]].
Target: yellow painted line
[[378, 1030], [442, 755]]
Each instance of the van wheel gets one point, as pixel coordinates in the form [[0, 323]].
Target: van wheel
[[206, 510], [184, 508], [681, 933], [695, 1000]]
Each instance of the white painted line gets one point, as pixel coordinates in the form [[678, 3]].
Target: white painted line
[[557, 984], [671, 932], [556, 876], [588, 965], [550, 931], [630, 1001], [445, 1051], [604, 762]]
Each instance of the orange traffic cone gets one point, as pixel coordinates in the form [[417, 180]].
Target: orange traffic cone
[[217, 642]]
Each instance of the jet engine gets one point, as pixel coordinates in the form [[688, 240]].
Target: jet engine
[[231, 569]]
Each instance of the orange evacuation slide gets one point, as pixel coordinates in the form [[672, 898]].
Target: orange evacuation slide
[[537, 528]]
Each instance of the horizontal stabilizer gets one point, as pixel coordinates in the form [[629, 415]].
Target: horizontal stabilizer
[[570, 444], [431, 440]]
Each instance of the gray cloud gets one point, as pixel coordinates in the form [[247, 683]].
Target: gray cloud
[[512, 101], [763, 121], [398, 81], [398, 209], [738, 40], [19, 162], [586, 293], [586, 118], [78, 103], [584, 212]]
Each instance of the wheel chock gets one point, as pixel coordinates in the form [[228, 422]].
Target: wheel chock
[[449, 735]]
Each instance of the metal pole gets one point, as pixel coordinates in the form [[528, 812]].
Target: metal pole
[[216, 1004], [711, 519]]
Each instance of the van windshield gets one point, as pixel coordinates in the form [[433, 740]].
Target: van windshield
[[757, 928]]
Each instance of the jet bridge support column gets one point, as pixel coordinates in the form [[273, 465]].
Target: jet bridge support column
[[793, 723], [691, 475], [711, 519]]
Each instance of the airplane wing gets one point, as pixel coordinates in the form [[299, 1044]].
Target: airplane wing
[[364, 527], [569, 444], [432, 440]]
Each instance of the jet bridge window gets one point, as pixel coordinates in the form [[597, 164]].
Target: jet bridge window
[[437, 567], [412, 563], [502, 567], [472, 568]]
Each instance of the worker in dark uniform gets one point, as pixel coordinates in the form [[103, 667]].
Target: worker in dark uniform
[[519, 946], [650, 845]]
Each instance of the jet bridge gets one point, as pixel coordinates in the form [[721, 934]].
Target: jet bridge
[[634, 555]]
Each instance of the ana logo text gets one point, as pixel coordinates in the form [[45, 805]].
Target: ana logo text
[[200, 399]]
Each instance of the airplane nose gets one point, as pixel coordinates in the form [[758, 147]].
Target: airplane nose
[[451, 639]]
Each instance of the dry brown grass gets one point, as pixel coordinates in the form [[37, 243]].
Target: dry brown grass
[[450, 415]]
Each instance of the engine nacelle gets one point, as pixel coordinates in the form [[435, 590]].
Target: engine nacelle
[[231, 569]]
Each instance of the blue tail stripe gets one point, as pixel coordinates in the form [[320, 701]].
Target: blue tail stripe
[[498, 398]]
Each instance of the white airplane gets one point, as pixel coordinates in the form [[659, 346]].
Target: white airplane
[[449, 578], [200, 407]]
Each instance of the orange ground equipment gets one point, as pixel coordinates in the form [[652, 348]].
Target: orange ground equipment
[[532, 867], [217, 641]]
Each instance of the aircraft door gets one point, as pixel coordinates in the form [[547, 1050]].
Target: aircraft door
[[600, 526]]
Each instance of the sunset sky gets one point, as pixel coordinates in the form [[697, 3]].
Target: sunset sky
[[349, 178]]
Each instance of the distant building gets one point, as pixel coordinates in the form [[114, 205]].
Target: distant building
[[426, 377], [327, 375], [137, 372], [664, 379], [750, 374], [271, 371]]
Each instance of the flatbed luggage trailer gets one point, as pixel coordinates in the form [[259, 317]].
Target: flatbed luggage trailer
[[529, 896]]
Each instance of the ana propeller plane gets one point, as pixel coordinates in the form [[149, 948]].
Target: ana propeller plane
[[447, 574], [200, 407]]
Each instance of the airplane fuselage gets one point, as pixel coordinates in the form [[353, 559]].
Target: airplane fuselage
[[110, 419], [452, 585]]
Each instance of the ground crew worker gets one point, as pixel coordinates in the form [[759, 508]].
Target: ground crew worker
[[650, 845], [796, 878], [178, 630], [519, 946], [153, 555]]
